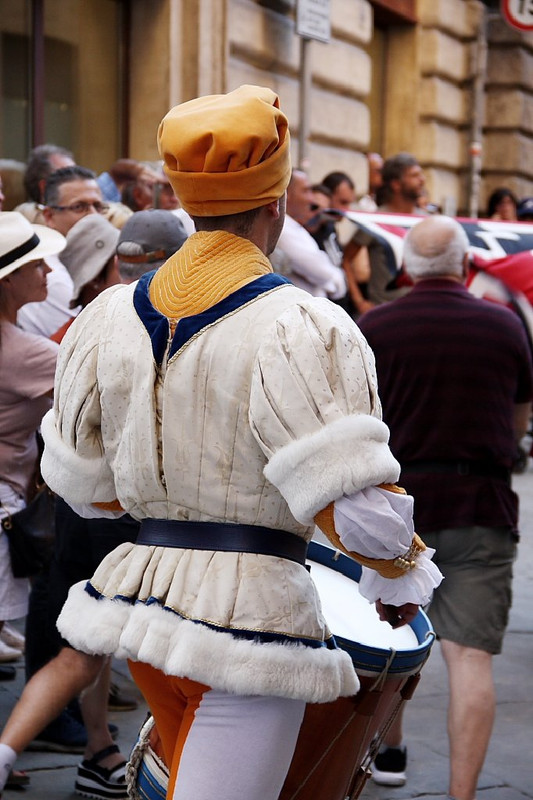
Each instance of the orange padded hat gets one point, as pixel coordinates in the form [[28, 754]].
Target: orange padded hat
[[224, 154]]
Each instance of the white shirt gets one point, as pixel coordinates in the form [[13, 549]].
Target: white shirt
[[305, 264]]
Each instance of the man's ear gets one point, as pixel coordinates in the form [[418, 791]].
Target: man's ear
[[274, 208], [395, 185], [47, 214], [42, 186]]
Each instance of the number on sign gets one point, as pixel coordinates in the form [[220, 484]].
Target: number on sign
[[518, 13]]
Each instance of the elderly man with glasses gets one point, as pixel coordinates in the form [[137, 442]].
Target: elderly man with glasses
[[70, 194]]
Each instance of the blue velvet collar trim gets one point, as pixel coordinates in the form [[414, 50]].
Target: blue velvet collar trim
[[157, 325]]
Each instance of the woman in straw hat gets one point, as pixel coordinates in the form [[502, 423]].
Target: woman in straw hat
[[27, 368]]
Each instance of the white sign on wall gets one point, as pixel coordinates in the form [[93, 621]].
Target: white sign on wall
[[313, 19], [518, 13]]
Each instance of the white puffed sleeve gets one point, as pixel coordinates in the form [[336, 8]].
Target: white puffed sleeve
[[314, 409], [73, 463], [379, 524]]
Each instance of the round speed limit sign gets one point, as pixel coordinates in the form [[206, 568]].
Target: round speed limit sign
[[518, 13]]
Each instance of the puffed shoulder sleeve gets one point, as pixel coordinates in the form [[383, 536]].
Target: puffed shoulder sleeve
[[73, 463], [315, 411]]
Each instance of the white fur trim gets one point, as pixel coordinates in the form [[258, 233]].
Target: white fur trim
[[76, 478], [179, 647], [343, 457]]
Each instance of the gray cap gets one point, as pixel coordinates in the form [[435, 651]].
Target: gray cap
[[90, 244], [149, 236]]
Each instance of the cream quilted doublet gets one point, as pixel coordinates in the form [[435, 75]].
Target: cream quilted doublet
[[263, 417]]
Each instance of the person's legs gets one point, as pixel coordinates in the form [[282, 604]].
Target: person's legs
[[390, 764], [48, 691], [469, 613], [13, 591], [249, 741], [394, 735], [101, 774], [93, 703], [217, 744], [471, 712]]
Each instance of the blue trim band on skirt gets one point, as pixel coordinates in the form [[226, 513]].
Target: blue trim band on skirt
[[265, 637]]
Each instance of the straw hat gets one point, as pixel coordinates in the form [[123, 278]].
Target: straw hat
[[21, 242]]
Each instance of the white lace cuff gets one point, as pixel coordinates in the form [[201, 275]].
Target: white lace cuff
[[379, 524]]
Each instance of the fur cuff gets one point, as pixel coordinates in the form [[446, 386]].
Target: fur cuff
[[78, 479], [344, 457]]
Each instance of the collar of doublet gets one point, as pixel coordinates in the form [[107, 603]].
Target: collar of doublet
[[206, 269], [157, 324]]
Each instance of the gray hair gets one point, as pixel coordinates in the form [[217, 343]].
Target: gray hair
[[436, 246]]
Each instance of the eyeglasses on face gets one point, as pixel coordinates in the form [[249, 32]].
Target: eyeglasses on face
[[83, 207]]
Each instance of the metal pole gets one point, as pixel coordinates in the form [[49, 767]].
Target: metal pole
[[37, 73], [305, 97], [478, 113]]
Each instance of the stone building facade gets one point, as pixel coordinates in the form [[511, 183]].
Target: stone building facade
[[447, 80]]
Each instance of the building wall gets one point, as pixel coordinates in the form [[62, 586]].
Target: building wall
[[508, 134], [184, 48], [381, 82], [264, 49], [446, 42]]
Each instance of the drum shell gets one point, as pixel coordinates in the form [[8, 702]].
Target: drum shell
[[332, 753], [335, 738]]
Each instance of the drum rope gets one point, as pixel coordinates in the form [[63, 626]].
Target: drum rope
[[376, 743], [382, 677]]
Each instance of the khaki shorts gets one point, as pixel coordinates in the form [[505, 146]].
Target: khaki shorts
[[471, 606]]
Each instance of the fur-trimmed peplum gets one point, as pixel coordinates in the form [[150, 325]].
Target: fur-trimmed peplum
[[343, 457], [154, 635]]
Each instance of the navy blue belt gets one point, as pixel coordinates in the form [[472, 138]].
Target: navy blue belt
[[224, 536]]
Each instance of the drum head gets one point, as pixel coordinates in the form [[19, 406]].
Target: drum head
[[355, 623]]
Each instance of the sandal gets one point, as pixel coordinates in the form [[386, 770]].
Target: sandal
[[17, 779], [102, 783]]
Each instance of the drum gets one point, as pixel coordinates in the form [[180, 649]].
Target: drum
[[338, 741], [146, 772]]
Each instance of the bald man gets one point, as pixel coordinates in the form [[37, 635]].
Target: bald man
[[456, 384]]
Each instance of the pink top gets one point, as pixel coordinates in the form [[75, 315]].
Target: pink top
[[27, 369]]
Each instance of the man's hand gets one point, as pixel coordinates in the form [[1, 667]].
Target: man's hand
[[396, 616]]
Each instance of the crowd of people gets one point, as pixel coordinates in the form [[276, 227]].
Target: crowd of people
[[81, 253], [145, 275]]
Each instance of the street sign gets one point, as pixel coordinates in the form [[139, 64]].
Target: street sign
[[518, 13], [313, 19]]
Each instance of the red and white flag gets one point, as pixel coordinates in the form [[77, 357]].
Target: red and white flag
[[501, 255]]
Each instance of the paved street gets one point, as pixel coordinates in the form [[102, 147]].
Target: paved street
[[508, 774]]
